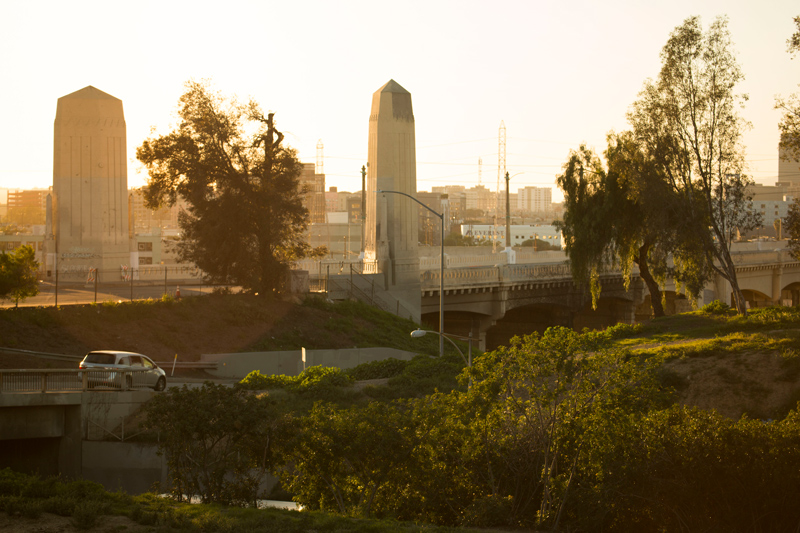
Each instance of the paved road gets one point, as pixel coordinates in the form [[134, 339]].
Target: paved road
[[84, 294]]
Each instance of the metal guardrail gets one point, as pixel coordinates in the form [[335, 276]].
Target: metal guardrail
[[66, 380], [208, 365]]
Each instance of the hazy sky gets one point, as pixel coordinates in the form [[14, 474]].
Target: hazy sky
[[558, 73]]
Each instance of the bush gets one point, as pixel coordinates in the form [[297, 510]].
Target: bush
[[60, 505], [317, 377], [255, 380], [87, 514], [12, 483], [386, 368], [716, 308]]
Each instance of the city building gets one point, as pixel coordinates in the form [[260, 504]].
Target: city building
[[534, 200], [519, 233], [314, 198], [26, 207], [154, 221], [479, 197]]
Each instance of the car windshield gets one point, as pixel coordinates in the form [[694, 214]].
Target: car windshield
[[100, 358]]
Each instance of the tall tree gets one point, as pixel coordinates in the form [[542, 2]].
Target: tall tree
[[245, 220], [19, 274], [790, 122], [688, 121], [626, 215]]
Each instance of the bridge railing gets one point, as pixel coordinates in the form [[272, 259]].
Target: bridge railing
[[68, 380]]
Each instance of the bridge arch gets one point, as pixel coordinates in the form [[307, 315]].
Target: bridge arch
[[756, 298]]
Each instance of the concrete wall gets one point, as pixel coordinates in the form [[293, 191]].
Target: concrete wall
[[238, 365], [130, 466]]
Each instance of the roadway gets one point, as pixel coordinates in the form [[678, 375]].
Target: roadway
[[85, 293]]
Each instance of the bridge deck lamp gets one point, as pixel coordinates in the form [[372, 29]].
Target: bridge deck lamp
[[441, 266]]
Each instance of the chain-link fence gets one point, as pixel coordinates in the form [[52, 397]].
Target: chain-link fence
[[97, 286]]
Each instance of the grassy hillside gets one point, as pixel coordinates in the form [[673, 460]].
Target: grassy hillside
[[206, 324], [716, 359], [713, 358]]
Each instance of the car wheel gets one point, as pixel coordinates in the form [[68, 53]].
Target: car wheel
[[161, 384]]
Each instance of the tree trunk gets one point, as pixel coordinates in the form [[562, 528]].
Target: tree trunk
[[652, 284], [728, 271]]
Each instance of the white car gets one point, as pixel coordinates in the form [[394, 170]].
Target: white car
[[128, 369]]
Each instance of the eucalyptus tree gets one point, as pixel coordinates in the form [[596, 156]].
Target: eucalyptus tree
[[245, 221], [688, 121], [790, 122], [624, 215]]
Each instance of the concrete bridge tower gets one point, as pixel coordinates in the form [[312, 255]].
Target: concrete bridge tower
[[90, 185], [391, 238]]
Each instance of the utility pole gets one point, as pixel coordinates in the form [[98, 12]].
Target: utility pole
[[508, 214], [363, 208]]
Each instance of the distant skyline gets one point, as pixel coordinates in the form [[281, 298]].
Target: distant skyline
[[558, 74]]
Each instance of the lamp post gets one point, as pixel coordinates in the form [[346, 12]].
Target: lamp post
[[468, 360], [441, 266], [508, 210]]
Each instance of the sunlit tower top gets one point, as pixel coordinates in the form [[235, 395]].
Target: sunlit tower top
[[320, 162]]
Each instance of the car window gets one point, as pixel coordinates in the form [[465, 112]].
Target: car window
[[124, 361], [148, 364], [136, 360], [100, 358]]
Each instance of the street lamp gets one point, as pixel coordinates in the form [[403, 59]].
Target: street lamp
[[421, 333], [417, 333], [441, 266], [508, 210]]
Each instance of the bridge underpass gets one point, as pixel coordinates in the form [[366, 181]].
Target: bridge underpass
[[493, 315]]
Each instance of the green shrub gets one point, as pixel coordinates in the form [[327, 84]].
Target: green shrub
[[12, 505], [255, 380], [60, 505], [86, 514], [32, 508], [716, 308], [41, 488], [82, 490], [386, 368], [12, 483], [317, 377]]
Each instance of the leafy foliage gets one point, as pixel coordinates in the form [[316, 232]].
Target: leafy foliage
[[19, 274], [624, 215], [218, 441], [385, 368], [311, 379], [688, 123], [790, 122], [246, 219], [792, 228], [716, 308], [342, 458]]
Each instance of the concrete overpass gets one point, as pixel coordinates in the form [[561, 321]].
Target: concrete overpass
[[79, 435]]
